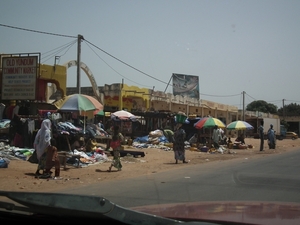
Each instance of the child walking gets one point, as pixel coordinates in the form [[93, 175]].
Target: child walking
[[117, 138], [52, 159]]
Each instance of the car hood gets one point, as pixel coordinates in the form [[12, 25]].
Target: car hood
[[228, 212]]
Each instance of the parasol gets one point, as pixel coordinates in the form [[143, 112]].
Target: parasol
[[209, 122], [85, 105], [78, 102], [122, 115], [239, 125]]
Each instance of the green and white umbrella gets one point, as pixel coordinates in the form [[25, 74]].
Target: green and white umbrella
[[239, 125]]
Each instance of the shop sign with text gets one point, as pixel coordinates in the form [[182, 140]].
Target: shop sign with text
[[19, 78]]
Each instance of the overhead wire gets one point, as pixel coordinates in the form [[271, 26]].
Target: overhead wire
[[62, 46], [132, 67], [220, 95], [250, 96], [112, 67], [60, 50], [291, 100], [37, 31], [71, 36]]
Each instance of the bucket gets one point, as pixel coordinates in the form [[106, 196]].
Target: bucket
[[180, 118]]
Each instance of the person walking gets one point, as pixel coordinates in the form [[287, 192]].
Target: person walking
[[115, 144], [216, 137], [271, 137], [178, 144], [41, 143], [261, 135], [52, 160]]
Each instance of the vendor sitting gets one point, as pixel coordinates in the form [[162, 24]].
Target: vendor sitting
[[240, 142], [240, 139]]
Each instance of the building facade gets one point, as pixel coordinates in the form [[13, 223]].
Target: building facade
[[134, 99]]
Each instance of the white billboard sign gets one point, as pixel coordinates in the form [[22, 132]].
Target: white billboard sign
[[19, 77]]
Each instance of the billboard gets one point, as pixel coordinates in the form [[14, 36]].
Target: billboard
[[19, 75], [186, 85]]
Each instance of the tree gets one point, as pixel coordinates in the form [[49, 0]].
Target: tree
[[262, 106], [292, 109]]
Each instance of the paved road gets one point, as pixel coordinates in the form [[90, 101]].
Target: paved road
[[270, 178]]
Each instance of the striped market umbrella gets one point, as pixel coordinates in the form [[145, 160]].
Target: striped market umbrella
[[209, 122], [79, 103], [85, 105], [239, 125]]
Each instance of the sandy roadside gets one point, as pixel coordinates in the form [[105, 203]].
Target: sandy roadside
[[19, 176]]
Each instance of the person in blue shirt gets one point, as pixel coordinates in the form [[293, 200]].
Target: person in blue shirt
[[271, 137]]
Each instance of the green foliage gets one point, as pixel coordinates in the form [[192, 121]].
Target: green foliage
[[292, 109], [262, 106], [284, 123]]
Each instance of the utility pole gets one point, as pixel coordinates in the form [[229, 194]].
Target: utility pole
[[79, 38], [283, 110], [244, 105]]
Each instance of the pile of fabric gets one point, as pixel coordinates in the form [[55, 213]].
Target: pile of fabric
[[154, 137]]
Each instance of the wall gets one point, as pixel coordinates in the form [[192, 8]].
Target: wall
[[142, 99]]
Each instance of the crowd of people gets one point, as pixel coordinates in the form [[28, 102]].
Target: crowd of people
[[47, 156]]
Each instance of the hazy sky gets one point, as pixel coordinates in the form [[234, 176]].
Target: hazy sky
[[233, 46]]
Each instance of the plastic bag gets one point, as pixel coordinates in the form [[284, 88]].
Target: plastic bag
[[33, 158], [4, 162]]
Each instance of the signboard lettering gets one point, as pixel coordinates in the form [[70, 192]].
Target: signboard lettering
[[19, 77]]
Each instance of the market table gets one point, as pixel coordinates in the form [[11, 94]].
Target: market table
[[104, 139]]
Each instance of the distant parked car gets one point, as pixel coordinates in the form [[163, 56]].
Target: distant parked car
[[291, 135]]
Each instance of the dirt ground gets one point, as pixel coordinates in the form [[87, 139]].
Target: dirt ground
[[19, 176]]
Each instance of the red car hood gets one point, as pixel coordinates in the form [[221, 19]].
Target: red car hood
[[271, 213]]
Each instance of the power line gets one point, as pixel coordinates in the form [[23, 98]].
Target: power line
[[291, 100], [36, 31], [62, 46], [250, 96], [127, 64], [113, 68], [60, 50], [71, 36], [220, 95]]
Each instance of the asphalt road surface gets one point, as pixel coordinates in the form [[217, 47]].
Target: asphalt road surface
[[270, 178]]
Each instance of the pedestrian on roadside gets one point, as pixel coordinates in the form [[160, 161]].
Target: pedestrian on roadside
[[271, 137], [52, 160], [115, 144], [216, 137], [261, 135], [41, 143], [178, 144]]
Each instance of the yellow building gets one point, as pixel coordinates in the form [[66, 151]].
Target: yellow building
[[134, 99]]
